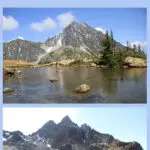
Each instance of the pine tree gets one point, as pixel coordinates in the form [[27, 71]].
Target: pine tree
[[107, 52], [112, 41], [139, 48], [134, 47]]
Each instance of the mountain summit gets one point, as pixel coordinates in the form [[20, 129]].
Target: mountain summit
[[65, 135], [66, 121], [77, 41]]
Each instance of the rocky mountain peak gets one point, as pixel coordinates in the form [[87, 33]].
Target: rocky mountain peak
[[85, 127], [65, 135], [50, 123], [66, 121], [77, 27]]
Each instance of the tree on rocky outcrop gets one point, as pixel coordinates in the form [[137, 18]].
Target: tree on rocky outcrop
[[109, 56]]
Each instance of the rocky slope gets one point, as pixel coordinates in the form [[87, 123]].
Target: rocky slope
[[22, 50], [77, 41], [65, 135]]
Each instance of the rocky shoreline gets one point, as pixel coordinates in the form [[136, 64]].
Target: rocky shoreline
[[130, 62]]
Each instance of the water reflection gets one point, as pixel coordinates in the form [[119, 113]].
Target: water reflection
[[107, 86]]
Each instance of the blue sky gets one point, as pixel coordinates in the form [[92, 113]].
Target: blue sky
[[126, 23], [124, 123]]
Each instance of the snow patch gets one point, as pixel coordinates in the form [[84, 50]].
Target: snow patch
[[10, 137], [7, 133], [59, 41], [4, 139], [48, 145], [57, 46]]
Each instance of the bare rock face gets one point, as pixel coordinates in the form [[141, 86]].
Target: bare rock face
[[22, 50], [5, 147], [112, 146], [65, 135], [135, 62]]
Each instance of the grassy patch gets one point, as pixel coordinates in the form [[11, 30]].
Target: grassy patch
[[16, 64]]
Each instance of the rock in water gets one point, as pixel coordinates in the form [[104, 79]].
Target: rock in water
[[53, 80], [82, 88], [16, 94], [93, 65], [7, 90], [19, 72], [9, 72]]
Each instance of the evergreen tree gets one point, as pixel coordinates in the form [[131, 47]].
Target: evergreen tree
[[112, 40], [107, 52], [134, 47], [114, 56], [108, 56], [139, 48], [127, 48]]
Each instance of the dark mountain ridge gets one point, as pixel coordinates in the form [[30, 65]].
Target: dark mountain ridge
[[65, 135]]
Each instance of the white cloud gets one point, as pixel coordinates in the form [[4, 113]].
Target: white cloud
[[65, 19], [10, 23], [142, 44], [20, 37], [100, 29], [44, 25]]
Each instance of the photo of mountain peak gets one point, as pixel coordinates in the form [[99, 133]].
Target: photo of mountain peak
[[67, 135]]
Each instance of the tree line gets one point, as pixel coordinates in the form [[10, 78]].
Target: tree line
[[114, 54]]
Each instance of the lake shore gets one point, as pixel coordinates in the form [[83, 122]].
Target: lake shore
[[130, 62]]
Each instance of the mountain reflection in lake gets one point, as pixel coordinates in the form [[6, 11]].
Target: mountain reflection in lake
[[107, 86]]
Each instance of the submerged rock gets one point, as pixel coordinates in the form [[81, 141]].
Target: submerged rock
[[9, 72], [19, 72], [103, 66], [16, 94], [82, 88], [7, 90], [53, 80]]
